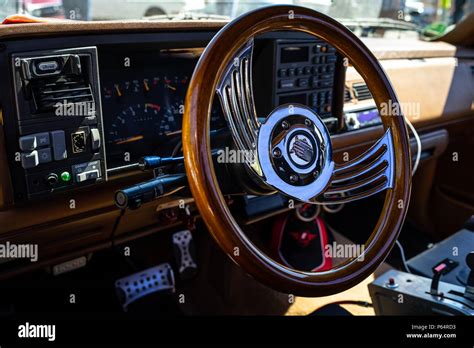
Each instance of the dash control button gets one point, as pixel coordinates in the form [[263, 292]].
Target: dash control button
[[28, 143], [44, 155], [29, 160], [33, 141], [59, 145]]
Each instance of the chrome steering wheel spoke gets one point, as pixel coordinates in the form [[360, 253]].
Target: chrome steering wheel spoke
[[235, 92], [366, 175]]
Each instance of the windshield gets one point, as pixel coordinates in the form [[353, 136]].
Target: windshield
[[365, 17]]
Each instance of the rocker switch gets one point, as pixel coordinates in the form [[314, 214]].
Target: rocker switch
[[95, 138]]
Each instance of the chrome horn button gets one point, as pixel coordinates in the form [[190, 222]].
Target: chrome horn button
[[302, 150], [294, 151]]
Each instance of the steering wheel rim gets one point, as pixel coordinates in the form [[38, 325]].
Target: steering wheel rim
[[200, 171]]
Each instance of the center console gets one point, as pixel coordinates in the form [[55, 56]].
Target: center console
[[56, 139]]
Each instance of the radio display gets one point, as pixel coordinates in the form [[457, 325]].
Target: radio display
[[294, 54], [292, 98]]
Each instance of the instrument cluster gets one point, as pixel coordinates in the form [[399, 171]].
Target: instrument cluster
[[143, 106]]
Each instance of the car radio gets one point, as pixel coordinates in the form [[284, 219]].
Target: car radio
[[56, 142], [309, 72]]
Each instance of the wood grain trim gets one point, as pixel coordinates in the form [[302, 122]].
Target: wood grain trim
[[200, 171], [65, 28]]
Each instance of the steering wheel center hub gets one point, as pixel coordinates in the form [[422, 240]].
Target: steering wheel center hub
[[294, 150]]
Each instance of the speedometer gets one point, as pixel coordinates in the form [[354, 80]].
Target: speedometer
[[135, 123]]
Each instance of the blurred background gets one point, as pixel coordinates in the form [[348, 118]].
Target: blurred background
[[363, 16]]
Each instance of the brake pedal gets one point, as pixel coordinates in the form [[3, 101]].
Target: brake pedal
[[185, 254], [156, 279]]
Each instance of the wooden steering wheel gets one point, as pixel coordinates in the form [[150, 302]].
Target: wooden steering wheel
[[309, 174]]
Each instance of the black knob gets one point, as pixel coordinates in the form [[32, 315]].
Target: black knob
[[52, 179]]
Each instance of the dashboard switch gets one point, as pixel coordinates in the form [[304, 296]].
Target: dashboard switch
[[28, 143], [95, 138], [30, 159], [44, 155], [89, 175], [59, 145], [86, 171], [31, 142]]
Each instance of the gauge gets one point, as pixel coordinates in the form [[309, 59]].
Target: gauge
[[135, 123], [143, 115]]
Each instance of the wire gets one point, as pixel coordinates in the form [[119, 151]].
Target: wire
[[116, 224], [418, 145], [402, 254]]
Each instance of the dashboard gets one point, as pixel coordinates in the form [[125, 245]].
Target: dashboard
[[87, 112]]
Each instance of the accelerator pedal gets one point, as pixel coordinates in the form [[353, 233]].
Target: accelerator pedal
[[138, 285]]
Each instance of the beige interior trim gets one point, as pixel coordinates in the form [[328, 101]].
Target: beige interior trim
[[429, 90], [392, 48]]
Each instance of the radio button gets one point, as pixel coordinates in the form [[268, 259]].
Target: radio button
[[326, 83], [30, 159], [291, 72], [282, 72], [59, 145], [303, 83], [287, 84]]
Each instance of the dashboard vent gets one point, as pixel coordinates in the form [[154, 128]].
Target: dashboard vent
[[361, 91], [47, 95], [347, 96]]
